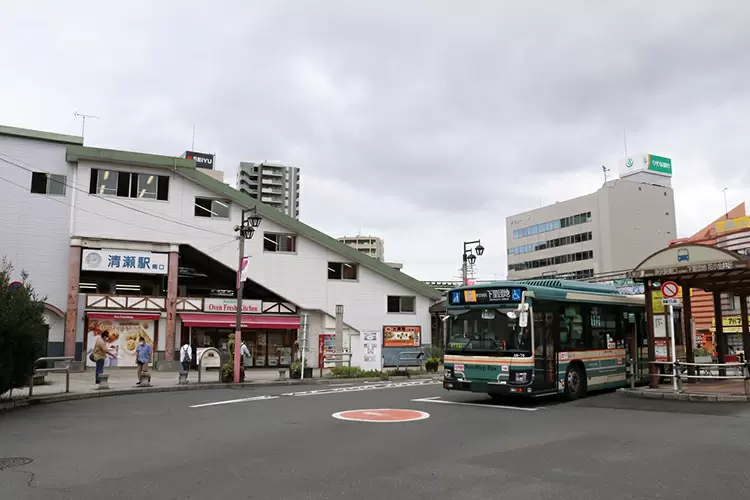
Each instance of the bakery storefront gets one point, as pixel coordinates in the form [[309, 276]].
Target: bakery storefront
[[270, 338]]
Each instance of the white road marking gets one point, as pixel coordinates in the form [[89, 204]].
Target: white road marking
[[231, 401], [459, 403]]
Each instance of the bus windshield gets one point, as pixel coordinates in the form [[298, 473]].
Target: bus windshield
[[488, 332]]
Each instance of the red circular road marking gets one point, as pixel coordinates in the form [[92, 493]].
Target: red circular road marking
[[381, 415]]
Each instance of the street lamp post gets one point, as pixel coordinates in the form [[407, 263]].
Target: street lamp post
[[245, 232], [469, 258]]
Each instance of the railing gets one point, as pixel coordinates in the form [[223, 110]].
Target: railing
[[200, 359], [678, 375], [409, 355], [43, 371], [336, 357]]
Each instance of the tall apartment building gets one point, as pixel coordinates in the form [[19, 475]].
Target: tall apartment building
[[369, 245], [610, 230], [273, 184]]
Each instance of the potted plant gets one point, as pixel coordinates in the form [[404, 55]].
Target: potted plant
[[296, 369]]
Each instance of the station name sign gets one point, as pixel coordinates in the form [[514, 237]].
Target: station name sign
[[693, 269], [486, 296]]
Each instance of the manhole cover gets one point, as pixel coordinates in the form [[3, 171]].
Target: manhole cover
[[7, 463]]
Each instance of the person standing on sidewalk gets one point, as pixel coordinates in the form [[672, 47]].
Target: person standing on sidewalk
[[100, 354], [142, 358], [186, 356]]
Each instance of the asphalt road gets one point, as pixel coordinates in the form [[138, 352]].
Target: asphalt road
[[167, 446]]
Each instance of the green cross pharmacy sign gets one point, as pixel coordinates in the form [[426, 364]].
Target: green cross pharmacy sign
[[652, 163]]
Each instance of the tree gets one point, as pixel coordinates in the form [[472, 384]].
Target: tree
[[22, 329]]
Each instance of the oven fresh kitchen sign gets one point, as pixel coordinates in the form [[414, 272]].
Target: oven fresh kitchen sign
[[230, 306]]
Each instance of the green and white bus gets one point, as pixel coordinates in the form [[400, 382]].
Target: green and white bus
[[541, 337]]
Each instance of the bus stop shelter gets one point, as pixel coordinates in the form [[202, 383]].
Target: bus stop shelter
[[694, 266]]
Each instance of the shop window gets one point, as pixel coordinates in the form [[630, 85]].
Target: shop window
[[401, 304], [274, 242], [44, 183], [207, 207], [342, 271], [129, 185]]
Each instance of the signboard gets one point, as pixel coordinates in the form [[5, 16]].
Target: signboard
[[486, 296], [123, 338], [371, 355], [230, 306], [644, 162], [202, 160], [660, 326], [661, 350], [402, 336], [729, 321], [15, 285], [671, 302], [670, 290], [722, 226], [125, 261]]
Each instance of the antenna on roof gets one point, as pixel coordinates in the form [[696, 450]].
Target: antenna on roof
[[192, 146], [605, 170], [625, 141], [83, 120]]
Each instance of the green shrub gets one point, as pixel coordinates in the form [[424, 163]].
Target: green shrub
[[352, 372], [434, 352], [22, 330]]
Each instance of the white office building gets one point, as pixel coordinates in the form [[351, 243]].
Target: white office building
[[612, 229], [144, 245], [274, 184]]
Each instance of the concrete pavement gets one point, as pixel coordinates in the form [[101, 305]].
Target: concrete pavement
[[283, 443]]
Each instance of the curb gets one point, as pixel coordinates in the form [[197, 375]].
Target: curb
[[60, 398], [700, 397]]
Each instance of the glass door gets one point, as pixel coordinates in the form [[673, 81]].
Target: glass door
[[545, 367]]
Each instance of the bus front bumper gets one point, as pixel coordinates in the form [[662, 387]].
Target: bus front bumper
[[487, 387]]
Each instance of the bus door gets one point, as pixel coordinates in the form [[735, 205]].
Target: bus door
[[545, 364], [635, 335]]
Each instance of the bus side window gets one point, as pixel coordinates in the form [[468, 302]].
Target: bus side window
[[571, 328]]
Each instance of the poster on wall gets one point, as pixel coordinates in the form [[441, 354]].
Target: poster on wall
[[124, 332], [402, 336], [371, 355]]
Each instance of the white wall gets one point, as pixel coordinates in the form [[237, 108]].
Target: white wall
[[35, 227], [301, 277]]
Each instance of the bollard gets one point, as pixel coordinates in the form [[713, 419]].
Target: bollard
[[183, 378], [145, 379], [104, 381]]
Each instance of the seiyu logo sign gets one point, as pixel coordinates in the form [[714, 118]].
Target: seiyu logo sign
[[202, 160]]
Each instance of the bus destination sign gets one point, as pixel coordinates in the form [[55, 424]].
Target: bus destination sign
[[486, 296]]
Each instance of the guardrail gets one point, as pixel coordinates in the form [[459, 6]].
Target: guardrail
[[43, 371], [200, 360], [409, 355], [678, 375]]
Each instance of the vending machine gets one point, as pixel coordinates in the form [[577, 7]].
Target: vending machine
[[326, 344]]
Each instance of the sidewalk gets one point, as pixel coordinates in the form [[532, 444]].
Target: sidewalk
[[718, 391], [123, 382]]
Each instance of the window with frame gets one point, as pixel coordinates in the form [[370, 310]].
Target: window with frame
[[129, 185], [605, 331], [401, 304], [342, 271], [572, 331], [208, 207], [52, 184], [276, 242]]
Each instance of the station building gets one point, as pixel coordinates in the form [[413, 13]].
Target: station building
[[144, 245]]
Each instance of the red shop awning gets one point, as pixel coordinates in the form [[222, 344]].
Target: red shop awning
[[124, 315], [249, 321]]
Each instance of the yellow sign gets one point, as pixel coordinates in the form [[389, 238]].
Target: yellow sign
[[470, 295], [723, 226], [657, 296], [729, 321]]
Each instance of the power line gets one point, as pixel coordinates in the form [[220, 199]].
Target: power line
[[108, 200]]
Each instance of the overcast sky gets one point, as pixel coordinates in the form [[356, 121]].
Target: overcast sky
[[424, 122]]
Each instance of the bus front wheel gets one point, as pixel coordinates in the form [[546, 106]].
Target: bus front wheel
[[575, 382]]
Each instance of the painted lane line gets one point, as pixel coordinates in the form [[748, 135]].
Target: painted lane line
[[458, 403], [381, 415], [344, 390], [232, 401]]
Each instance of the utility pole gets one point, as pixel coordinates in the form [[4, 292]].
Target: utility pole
[[339, 334], [83, 121], [246, 231]]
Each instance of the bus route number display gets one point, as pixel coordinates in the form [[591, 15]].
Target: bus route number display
[[486, 296]]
